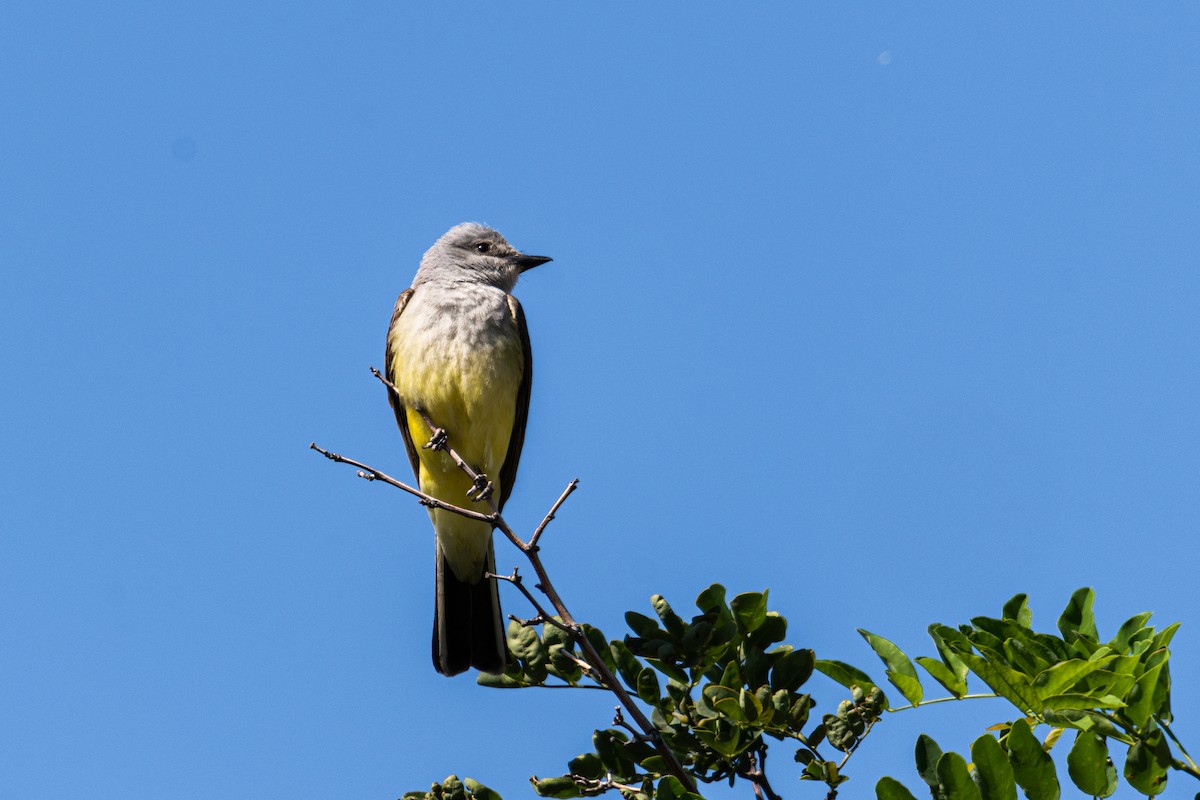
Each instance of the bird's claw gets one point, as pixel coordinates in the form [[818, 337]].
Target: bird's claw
[[437, 441], [481, 488]]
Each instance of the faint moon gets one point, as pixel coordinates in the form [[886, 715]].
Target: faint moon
[[184, 148], [884, 58]]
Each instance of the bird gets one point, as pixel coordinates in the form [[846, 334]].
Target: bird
[[458, 354]]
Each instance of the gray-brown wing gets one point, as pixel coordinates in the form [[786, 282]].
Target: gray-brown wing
[[397, 406], [508, 473]]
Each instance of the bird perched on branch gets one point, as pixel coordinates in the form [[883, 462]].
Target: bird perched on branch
[[458, 355]]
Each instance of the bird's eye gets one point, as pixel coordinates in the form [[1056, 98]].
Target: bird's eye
[[483, 247]]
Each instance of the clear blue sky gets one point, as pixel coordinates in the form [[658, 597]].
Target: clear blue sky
[[891, 311]]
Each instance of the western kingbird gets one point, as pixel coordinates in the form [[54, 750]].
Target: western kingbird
[[458, 350]]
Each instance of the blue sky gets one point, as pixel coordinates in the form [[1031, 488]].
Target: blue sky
[[893, 312]]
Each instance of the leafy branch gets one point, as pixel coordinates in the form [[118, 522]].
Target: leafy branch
[[1117, 690], [720, 687]]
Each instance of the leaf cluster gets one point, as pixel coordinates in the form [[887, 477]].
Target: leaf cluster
[[718, 685], [1117, 690], [455, 788]]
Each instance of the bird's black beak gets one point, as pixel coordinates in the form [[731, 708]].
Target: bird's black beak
[[524, 262]]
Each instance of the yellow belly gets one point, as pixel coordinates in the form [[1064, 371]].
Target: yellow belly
[[471, 392]]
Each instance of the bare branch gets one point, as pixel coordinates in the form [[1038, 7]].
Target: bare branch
[[537, 534], [757, 773], [371, 474], [543, 616]]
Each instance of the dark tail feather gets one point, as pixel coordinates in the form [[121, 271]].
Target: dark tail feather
[[468, 628]]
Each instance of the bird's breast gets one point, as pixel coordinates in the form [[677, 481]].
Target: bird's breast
[[460, 360]]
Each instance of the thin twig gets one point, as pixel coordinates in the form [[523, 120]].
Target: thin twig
[[599, 786], [543, 616], [1190, 767], [537, 534], [857, 742], [757, 774], [372, 474], [980, 696], [619, 719]]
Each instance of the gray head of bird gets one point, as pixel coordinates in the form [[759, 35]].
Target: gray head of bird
[[471, 253]]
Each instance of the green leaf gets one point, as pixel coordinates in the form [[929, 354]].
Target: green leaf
[[1162, 695], [589, 765], [984, 639], [642, 625], [846, 675], [1163, 638], [1086, 721], [722, 737], [842, 731], [648, 690], [950, 643], [813, 771], [611, 746], [792, 670], [888, 788], [1077, 618], [1128, 628], [1081, 702], [732, 709], [750, 610], [672, 621], [1032, 767], [597, 640], [552, 634], [1141, 698], [993, 773], [1023, 658], [479, 791], [956, 778], [1090, 767], [562, 786], [773, 629], [798, 713], [750, 704], [1065, 674], [715, 691], [943, 675], [627, 665], [927, 755], [900, 670], [1017, 609], [1004, 681], [712, 599], [500, 681], [909, 687], [523, 641], [732, 676], [672, 671], [671, 788], [1146, 764]]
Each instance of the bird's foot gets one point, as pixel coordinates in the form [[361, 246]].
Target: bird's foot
[[481, 488], [437, 441]]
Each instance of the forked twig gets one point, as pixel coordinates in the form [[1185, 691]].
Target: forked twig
[[543, 616], [546, 520]]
